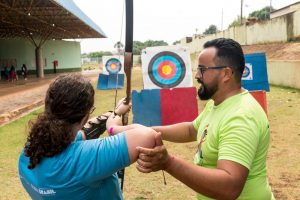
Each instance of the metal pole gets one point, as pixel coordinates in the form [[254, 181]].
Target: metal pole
[[270, 9], [241, 12], [222, 21]]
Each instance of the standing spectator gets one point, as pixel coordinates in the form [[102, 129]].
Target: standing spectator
[[13, 76], [6, 73], [24, 71]]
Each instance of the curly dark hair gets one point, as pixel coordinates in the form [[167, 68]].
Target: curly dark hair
[[68, 100]]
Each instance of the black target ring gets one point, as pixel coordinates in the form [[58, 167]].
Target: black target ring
[[176, 69]]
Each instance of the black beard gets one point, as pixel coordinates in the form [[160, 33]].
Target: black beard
[[205, 93]]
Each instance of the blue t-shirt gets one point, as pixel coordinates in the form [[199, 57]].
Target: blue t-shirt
[[85, 170]]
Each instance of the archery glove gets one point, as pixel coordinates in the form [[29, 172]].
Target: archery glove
[[95, 127]]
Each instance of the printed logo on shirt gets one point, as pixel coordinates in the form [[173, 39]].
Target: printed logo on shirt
[[41, 191], [199, 148]]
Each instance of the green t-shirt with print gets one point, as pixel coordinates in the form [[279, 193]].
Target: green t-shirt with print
[[236, 130]]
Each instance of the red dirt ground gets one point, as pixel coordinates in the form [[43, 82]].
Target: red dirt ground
[[277, 51]]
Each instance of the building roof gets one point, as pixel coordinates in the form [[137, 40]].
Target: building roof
[[46, 19], [285, 10]]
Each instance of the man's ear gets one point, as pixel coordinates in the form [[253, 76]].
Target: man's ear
[[228, 74]]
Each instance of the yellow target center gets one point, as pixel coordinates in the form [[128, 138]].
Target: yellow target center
[[166, 69], [113, 66]]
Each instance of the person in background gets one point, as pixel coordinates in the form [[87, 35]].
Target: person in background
[[7, 73], [12, 73], [24, 71]]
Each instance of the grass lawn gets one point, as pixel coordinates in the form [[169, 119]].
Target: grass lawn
[[283, 157]]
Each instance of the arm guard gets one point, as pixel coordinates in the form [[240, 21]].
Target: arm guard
[[95, 127]]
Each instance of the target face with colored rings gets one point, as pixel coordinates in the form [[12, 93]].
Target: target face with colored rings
[[166, 69], [246, 72], [113, 66]]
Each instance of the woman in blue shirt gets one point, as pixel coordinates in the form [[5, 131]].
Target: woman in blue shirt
[[58, 163]]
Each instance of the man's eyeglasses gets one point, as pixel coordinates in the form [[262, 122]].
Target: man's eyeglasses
[[92, 109], [202, 68]]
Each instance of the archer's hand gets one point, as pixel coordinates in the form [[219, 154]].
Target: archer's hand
[[151, 160], [122, 108]]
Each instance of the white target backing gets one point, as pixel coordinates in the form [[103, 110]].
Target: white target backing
[[248, 72], [166, 67], [113, 65]]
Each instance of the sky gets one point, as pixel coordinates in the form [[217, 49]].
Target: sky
[[167, 20]]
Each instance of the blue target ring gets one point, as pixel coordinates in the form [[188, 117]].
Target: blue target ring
[[246, 72], [166, 69], [113, 66]]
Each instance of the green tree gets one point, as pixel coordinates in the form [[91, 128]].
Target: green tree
[[84, 55], [139, 46], [262, 14], [154, 43], [210, 30], [237, 21], [99, 54], [176, 42]]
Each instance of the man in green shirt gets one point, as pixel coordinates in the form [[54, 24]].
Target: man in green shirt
[[232, 133]]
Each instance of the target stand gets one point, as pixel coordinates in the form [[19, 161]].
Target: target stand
[[255, 74], [168, 96], [112, 76], [255, 78], [110, 82]]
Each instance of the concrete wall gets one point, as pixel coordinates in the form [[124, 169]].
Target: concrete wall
[[18, 52], [66, 52], [272, 31], [280, 12], [284, 73], [21, 51], [296, 25]]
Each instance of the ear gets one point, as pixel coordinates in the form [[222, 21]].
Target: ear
[[228, 74]]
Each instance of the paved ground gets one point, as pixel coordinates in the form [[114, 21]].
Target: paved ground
[[23, 96]]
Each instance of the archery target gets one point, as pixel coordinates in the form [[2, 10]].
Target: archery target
[[113, 65], [166, 67], [247, 73]]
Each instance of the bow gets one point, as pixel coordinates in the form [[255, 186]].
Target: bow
[[127, 67], [128, 49]]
